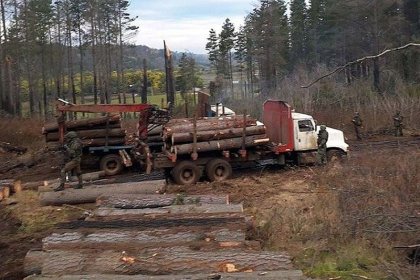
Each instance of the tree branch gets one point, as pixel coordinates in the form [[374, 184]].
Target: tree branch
[[338, 69]]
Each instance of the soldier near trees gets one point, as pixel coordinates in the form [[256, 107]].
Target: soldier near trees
[[322, 145], [357, 122], [398, 124], [73, 148]]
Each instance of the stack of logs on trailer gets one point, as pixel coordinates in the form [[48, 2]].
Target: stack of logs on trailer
[[191, 136], [99, 131], [174, 236]]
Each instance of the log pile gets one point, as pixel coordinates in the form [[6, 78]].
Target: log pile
[[187, 136], [9, 187], [93, 132], [168, 236]]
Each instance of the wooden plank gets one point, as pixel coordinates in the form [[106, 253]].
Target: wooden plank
[[132, 201]]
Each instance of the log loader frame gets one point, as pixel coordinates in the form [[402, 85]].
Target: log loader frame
[[114, 156]]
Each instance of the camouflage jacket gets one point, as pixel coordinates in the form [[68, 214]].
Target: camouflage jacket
[[357, 121], [322, 138], [74, 149], [398, 119]]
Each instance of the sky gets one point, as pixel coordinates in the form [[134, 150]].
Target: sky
[[184, 24]]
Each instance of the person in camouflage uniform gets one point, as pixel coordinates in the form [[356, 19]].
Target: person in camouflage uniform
[[357, 122], [322, 145], [398, 125], [74, 150]]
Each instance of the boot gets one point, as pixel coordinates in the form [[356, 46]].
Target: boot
[[59, 187]]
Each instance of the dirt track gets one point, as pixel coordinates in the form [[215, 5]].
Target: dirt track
[[260, 191]]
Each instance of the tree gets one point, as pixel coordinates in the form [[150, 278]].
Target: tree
[[298, 21]]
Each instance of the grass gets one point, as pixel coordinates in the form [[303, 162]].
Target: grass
[[342, 227]]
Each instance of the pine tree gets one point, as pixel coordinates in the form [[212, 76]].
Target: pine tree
[[298, 21]]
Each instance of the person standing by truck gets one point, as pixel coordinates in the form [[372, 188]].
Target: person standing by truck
[[322, 145], [357, 122], [398, 124], [73, 149]]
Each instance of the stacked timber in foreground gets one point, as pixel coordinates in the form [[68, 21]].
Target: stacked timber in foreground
[[137, 236], [98, 131], [188, 136]]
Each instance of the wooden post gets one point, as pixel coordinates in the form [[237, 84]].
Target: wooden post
[[145, 82]]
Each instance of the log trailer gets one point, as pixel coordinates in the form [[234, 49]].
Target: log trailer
[[213, 147]]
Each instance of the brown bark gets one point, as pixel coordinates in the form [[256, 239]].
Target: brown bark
[[168, 210], [131, 201], [33, 262], [17, 186], [154, 130], [257, 275], [160, 261], [93, 133], [89, 195], [5, 190], [170, 221], [220, 145], [83, 123], [216, 134], [207, 124], [203, 237]]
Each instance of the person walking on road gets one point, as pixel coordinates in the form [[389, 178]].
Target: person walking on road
[[398, 124], [322, 145], [357, 122], [73, 148]]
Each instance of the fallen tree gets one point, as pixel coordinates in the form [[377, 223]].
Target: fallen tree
[[83, 123], [131, 201], [216, 134], [173, 209], [89, 195], [145, 238], [160, 261], [207, 124], [168, 221], [220, 145], [257, 275], [92, 133]]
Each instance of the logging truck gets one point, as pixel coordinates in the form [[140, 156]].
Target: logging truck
[[212, 147]]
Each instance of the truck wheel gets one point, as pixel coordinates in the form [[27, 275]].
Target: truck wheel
[[186, 173], [218, 170], [335, 154], [111, 164]]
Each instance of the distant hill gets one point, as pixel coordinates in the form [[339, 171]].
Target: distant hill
[[155, 59]]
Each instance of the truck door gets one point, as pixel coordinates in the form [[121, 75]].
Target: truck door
[[305, 135]]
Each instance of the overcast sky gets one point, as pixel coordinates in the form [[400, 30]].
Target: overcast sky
[[184, 24]]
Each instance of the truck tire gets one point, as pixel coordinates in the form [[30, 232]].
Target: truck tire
[[186, 173], [218, 170], [335, 154], [111, 164]]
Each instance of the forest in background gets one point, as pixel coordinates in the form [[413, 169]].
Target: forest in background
[[283, 46], [78, 50]]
